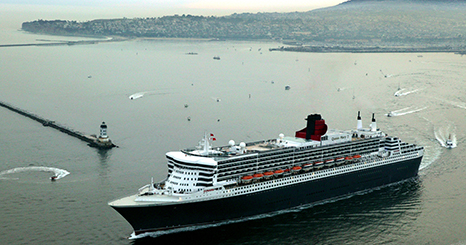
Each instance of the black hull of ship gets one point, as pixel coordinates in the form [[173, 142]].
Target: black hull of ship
[[162, 217]]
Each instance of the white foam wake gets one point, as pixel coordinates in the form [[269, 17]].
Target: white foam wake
[[59, 173], [401, 93], [136, 95], [405, 111], [428, 159], [442, 137], [141, 94]]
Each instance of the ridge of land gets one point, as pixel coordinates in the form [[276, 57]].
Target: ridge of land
[[358, 24]]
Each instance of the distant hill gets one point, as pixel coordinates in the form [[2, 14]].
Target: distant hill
[[406, 1], [353, 23], [396, 21]]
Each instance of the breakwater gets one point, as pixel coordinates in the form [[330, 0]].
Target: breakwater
[[371, 49], [92, 140], [64, 43], [48, 44]]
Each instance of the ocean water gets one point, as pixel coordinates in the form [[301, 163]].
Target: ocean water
[[242, 97]]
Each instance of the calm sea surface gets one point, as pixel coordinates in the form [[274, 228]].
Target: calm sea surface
[[242, 97]]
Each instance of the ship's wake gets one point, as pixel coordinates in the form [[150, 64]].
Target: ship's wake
[[58, 173], [402, 92], [136, 95], [404, 111], [341, 89], [457, 104], [428, 159], [139, 95], [432, 151]]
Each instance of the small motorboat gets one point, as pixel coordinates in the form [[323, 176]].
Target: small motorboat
[[53, 178], [449, 143]]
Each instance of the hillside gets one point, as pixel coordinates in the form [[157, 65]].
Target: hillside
[[395, 21], [352, 23]]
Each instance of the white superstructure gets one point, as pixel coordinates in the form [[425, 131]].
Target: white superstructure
[[215, 172]]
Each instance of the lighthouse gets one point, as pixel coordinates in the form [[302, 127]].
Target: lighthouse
[[103, 132], [103, 141]]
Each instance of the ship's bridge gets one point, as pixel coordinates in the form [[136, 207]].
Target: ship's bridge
[[332, 136], [189, 173]]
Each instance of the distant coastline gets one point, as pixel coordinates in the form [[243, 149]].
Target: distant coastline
[[356, 26], [293, 48]]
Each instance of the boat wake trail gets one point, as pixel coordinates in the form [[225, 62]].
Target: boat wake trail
[[136, 95], [408, 74], [442, 135], [141, 94], [401, 93], [59, 173], [341, 89], [404, 111], [457, 104]]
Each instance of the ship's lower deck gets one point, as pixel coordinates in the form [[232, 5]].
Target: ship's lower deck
[[159, 217]]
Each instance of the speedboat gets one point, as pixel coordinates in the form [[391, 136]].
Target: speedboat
[[449, 143]]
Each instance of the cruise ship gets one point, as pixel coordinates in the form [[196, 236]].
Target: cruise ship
[[209, 185]]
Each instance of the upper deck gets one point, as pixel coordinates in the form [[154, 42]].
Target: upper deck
[[332, 137]]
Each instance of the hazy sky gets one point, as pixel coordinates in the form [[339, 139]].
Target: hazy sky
[[142, 8]]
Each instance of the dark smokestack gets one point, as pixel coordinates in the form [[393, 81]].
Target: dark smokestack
[[311, 124]]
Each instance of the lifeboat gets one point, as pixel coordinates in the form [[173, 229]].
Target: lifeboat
[[278, 172], [339, 160], [307, 167], [246, 179], [356, 157], [319, 164], [268, 175], [296, 169], [349, 159], [258, 176], [329, 162]]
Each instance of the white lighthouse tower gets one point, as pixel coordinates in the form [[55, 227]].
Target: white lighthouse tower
[[103, 141], [103, 132]]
